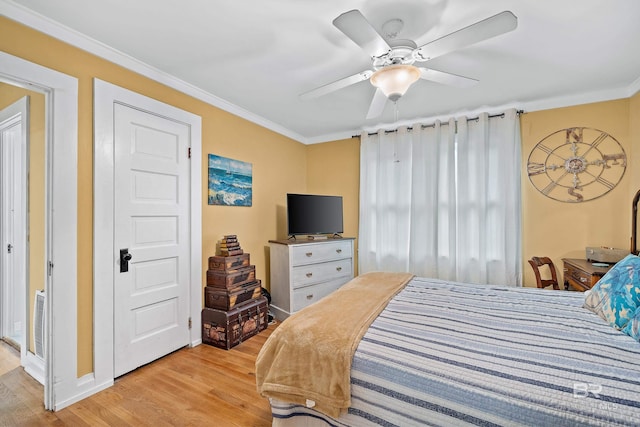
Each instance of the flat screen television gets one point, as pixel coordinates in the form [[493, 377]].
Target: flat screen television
[[312, 214]]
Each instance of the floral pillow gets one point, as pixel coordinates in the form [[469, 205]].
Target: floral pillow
[[633, 326], [616, 296]]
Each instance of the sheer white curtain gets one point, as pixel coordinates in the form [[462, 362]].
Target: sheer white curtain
[[443, 200]]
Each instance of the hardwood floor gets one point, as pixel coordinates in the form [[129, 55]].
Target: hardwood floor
[[200, 386]]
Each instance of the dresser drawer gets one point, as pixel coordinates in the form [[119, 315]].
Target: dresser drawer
[[302, 271], [579, 276], [321, 252], [306, 275], [303, 297]]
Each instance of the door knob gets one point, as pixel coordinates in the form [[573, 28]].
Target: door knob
[[125, 257]]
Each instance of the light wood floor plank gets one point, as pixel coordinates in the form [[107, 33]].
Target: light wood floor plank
[[196, 386], [9, 358]]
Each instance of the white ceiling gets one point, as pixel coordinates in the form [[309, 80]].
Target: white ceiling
[[254, 57]]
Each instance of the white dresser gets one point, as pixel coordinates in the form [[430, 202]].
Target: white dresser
[[303, 271]]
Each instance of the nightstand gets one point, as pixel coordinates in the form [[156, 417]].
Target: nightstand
[[581, 275]]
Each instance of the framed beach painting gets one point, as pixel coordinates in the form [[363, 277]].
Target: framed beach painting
[[230, 182]]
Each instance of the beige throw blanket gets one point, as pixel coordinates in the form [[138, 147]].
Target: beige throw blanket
[[307, 359]]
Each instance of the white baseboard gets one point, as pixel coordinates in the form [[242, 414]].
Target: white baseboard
[[279, 313], [34, 366], [85, 387]]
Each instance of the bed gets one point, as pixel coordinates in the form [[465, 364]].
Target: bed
[[443, 353], [452, 354]]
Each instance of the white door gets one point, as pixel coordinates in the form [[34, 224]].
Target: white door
[[13, 287], [151, 225]]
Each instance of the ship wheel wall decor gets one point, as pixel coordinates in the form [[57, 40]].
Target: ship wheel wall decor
[[576, 164]]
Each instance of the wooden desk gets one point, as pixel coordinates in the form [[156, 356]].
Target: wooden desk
[[580, 274]]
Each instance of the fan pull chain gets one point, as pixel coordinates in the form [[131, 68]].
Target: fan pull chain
[[395, 145]]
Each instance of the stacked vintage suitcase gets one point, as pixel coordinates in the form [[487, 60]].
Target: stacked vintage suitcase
[[235, 309]]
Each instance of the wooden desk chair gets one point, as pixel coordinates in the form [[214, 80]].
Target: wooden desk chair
[[536, 263]]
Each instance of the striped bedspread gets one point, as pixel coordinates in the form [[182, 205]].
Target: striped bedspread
[[447, 354]]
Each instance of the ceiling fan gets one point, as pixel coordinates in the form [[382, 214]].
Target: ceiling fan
[[392, 59]]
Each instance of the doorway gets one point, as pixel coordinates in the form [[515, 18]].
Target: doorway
[[147, 229], [56, 266], [22, 235], [14, 125]]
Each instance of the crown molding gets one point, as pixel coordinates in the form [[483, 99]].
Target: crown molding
[[58, 31], [527, 106], [634, 88], [577, 99]]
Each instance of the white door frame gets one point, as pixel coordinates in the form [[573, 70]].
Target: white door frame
[[105, 95], [61, 141], [17, 114]]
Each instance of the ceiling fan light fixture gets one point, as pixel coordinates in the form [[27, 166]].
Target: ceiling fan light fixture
[[394, 80]]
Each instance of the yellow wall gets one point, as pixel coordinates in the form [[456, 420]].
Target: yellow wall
[[279, 167], [279, 163], [550, 228], [556, 229], [334, 168], [36, 201], [634, 155]]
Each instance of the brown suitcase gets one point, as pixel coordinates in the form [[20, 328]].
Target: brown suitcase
[[226, 299], [228, 263], [232, 279], [226, 329]]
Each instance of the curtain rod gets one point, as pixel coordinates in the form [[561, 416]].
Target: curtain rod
[[518, 112]]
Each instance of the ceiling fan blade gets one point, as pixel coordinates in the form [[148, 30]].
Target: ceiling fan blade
[[377, 104], [446, 78], [494, 26], [355, 26], [338, 84]]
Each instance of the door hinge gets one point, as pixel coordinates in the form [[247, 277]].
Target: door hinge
[[189, 153], [49, 268], [9, 248], [190, 323]]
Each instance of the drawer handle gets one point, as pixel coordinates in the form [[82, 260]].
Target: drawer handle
[[339, 268], [309, 274], [339, 251], [309, 254], [310, 296], [583, 279]]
